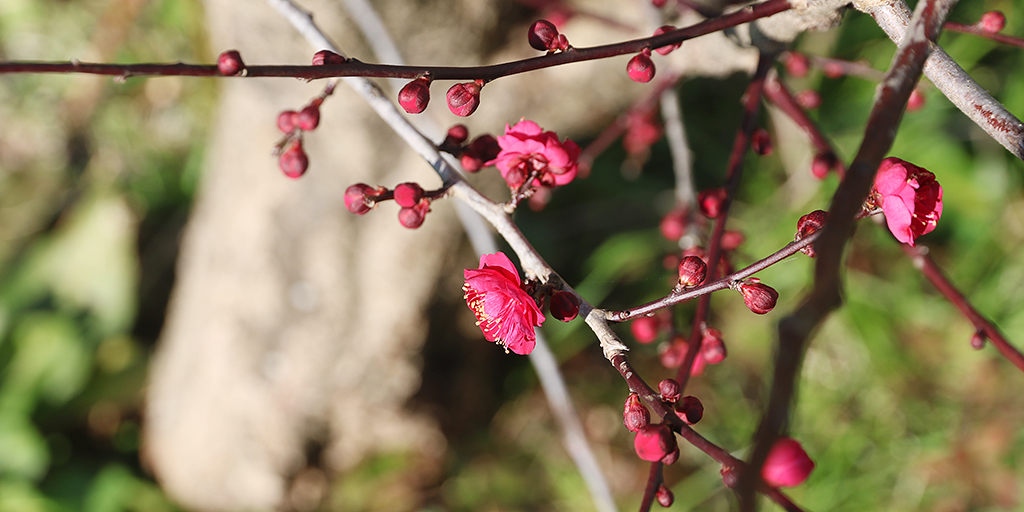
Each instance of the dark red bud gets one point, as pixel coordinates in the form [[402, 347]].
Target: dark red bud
[[564, 306], [669, 390], [692, 271], [712, 348], [761, 142], [634, 415], [457, 134], [309, 117], [729, 476], [327, 57], [807, 225], [664, 496], [408, 195], [464, 98], [415, 95], [711, 202], [641, 68], [287, 121], [822, 164], [543, 36], [665, 50], [992, 22], [293, 161], [230, 63], [759, 298], [359, 198], [690, 409], [412, 218]]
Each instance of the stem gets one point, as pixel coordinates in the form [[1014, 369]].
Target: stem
[[778, 94]]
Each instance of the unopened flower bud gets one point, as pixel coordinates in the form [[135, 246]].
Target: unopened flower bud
[[293, 161], [807, 225], [543, 36], [833, 69], [483, 149], [415, 95], [797, 64], [808, 99], [665, 50], [230, 63], [287, 121], [327, 58], [671, 457], [664, 496], [692, 271], [731, 240], [408, 194], [564, 306], [634, 415], [916, 100], [654, 442], [729, 476], [710, 202], [359, 198], [641, 68], [761, 142], [645, 329], [673, 224], [457, 134], [978, 340], [759, 298], [822, 164], [464, 98], [712, 348], [690, 409], [992, 22], [669, 390], [309, 117], [412, 218], [787, 464]]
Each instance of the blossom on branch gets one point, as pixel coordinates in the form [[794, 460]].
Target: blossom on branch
[[526, 149], [910, 198], [505, 313]]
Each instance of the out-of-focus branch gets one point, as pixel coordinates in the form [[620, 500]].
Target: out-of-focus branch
[[776, 92], [951, 79], [925, 263], [795, 330]]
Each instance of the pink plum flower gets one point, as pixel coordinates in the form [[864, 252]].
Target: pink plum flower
[[910, 198], [787, 464], [526, 149], [505, 313]]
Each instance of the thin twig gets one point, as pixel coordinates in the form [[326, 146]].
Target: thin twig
[[778, 94]]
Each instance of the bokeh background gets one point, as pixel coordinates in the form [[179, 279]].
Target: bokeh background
[[97, 180]]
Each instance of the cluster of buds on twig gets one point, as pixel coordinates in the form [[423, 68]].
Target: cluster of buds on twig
[[411, 197]]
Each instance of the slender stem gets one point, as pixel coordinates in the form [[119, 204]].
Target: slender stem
[[976, 30], [655, 477], [924, 262], [778, 94]]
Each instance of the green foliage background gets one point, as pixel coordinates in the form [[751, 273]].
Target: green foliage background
[[899, 412]]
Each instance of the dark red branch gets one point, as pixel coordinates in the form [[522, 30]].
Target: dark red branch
[[974, 29], [795, 330], [777, 93], [356, 68], [654, 479], [924, 262]]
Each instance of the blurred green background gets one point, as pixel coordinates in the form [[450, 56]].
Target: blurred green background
[[96, 179]]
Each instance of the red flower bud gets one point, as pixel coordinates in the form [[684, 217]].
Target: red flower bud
[[359, 198], [408, 194], [671, 458], [412, 218], [822, 164], [665, 50], [978, 340], [690, 409], [711, 202], [654, 442], [309, 117], [641, 68], [457, 134], [731, 240], [415, 95], [787, 464], [759, 298], [645, 329], [833, 69], [692, 271], [808, 99], [664, 496], [916, 101], [807, 225], [464, 98], [669, 390], [230, 63], [327, 57], [712, 348], [761, 142], [293, 161], [483, 149], [543, 36], [992, 22], [634, 415], [564, 306], [287, 121], [673, 224], [797, 64]]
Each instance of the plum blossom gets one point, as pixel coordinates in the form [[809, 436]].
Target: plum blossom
[[910, 198], [787, 464], [527, 149], [505, 313]]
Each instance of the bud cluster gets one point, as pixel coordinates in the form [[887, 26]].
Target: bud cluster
[[472, 156], [293, 160], [544, 36], [414, 202], [807, 225]]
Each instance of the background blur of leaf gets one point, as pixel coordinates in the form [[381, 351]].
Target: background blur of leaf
[[897, 409]]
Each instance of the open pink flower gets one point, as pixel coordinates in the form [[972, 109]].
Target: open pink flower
[[526, 149], [505, 313], [910, 198]]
